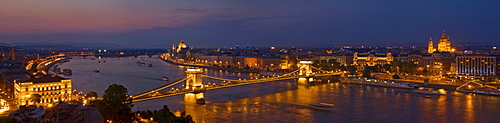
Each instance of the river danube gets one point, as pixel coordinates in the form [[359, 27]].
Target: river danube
[[283, 101]]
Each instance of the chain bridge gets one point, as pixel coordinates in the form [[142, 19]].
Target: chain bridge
[[195, 84]]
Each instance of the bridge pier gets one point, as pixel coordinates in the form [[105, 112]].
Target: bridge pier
[[195, 83], [194, 98]]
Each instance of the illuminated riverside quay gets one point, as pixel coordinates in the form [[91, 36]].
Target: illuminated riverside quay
[[282, 101]]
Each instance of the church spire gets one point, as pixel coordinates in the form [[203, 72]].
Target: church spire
[[443, 35], [2, 55], [430, 46], [12, 54]]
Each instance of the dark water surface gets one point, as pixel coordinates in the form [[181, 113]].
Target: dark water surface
[[284, 101]]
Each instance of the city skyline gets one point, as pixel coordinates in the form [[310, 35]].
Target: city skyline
[[159, 24]]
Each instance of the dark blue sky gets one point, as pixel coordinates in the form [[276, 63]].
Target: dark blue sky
[[224, 23]]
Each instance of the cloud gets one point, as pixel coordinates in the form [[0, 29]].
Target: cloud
[[91, 16]]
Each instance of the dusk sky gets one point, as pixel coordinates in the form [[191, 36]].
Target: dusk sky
[[262, 23]]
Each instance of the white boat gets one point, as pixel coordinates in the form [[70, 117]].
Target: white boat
[[324, 105], [478, 88], [379, 82], [427, 91], [67, 72], [321, 106]]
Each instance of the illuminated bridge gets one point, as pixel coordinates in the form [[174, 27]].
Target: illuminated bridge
[[195, 84]]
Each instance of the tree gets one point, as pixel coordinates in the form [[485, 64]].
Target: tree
[[352, 69], [91, 94], [75, 102], [35, 98], [165, 116], [328, 65], [116, 104], [367, 72], [398, 67], [7, 119], [386, 67], [395, 76]]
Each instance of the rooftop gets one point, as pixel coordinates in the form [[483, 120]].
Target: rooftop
[[45, 78]]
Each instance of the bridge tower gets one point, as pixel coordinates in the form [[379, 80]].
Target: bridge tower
[[195, 83], [306, 70]]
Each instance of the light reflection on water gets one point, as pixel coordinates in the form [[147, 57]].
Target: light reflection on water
[[286, 101]]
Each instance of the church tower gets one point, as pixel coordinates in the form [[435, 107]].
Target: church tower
[[430, 46], [444, 44], [12, 54], [2, 56]]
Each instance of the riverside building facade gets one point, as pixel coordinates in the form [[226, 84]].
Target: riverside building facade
[[52, 89], [372, 59], [475, 66]]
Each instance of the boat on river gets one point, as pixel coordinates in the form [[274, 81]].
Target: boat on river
[[139, 63], [379, 82], [165, 79], [323, 105], [429, 91], [96, 71], [57, 70], [67, 72], [479, 88]]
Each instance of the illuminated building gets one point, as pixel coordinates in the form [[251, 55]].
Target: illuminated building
[[475, 65], [181, 52], [52, 88], [181, 46], [264, 62], [436, 63], [342, 59], [372, 59], [444, 44], [2, 56], [12, 54], [430, 46]]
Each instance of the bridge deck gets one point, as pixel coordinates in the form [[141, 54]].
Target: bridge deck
[[230, 83]]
